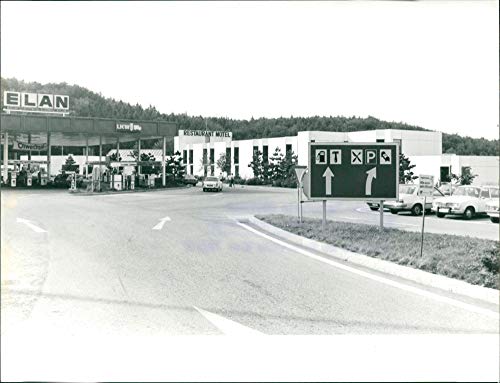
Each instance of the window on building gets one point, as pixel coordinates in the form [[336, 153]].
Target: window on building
[[184, 156], [212, 170], [205, 159], [191, 156], [255, 149], [265, 153], [228, 158], [236, 155], [212, 156], [236, 170], [445, 174], [380, 140], [191, 169], [288, 148]]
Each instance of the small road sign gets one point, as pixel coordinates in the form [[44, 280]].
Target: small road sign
[[426, 185], [353, 171]]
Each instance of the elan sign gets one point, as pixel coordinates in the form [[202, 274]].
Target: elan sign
[[39, 101]]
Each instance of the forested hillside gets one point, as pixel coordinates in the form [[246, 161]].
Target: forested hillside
[[90, 104]]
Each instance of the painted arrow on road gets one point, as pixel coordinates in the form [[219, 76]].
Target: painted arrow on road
[[372, 173], [328, 174], [30, 224], [159, 225]]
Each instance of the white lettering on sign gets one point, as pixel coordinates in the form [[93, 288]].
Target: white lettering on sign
[[335, 157], [320, 156], [385, 157], [370, 175], [207, 133], [128, 127], [17, 145], [356, 156], [35, 101], [371, 156]]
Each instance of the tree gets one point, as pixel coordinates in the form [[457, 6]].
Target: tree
[[205, 163], [151, 168], [276, 168], [223, 164], [257, 165], [405, 170], [466, 178], [175, 166], [70, 165]]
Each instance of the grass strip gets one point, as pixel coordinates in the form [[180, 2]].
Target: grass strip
[[473, 260]]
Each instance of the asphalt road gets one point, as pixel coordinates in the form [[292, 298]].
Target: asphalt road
[[176, 262]]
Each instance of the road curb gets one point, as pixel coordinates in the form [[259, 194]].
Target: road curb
[[84, 194], [433, 280]]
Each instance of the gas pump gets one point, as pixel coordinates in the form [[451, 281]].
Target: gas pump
[[13, 179], [29, 179], [73, 182], [132, 182]]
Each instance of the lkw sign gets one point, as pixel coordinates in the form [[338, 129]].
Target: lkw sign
[[353, 171]]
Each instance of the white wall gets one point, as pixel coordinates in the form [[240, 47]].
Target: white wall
[[246, 154], [303, 139], [56, 162], [486, 168]]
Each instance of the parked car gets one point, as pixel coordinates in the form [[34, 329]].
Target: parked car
[[212, 183], [493, 205], [189, 179], [410, 200], [447, 189], [466, 200]]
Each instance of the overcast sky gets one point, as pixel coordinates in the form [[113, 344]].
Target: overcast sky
[[433, 64]]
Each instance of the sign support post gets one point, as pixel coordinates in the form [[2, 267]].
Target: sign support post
[[423, 225], [425, 189], [381, 209], [324, 214], [299, 173]]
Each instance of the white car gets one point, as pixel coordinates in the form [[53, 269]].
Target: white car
[[466, 200], [409, 200], [493, 206], [212, 183]]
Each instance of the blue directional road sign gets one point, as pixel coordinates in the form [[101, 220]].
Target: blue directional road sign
[[353, 171]]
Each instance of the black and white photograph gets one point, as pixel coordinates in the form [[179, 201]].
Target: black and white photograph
[[215, 191]]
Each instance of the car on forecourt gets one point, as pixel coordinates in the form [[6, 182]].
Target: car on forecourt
[[189, 179], [212, 183], [410, 200], [493, 207], [466, 200]]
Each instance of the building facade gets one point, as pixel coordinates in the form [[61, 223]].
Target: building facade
[[202, 150]]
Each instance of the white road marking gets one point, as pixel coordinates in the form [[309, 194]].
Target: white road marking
[[33, 227], [401, 286], [159, 225], [227, 326]]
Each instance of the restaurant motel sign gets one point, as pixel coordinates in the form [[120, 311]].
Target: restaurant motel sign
[[353, 171]]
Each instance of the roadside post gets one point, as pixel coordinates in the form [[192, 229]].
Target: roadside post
[[352, 171], [381, 209], [426, 186], [299, 173], [324, 214]]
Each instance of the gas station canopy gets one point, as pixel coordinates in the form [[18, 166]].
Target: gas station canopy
[[81, 131]]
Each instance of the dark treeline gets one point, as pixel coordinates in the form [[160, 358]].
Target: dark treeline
[[86, 103]]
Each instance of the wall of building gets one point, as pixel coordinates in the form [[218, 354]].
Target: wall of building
[[56, 162], [422, 147]]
